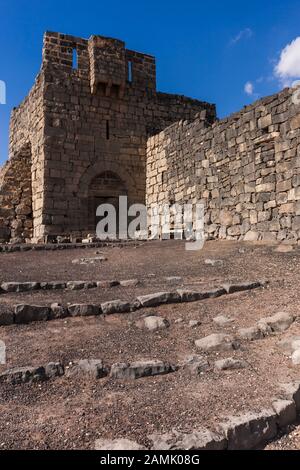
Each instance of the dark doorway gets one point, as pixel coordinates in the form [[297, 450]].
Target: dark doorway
[[105, 188]]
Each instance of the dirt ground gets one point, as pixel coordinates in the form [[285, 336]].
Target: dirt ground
[[72, 412]]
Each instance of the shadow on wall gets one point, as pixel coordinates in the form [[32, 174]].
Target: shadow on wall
[[16, 221]]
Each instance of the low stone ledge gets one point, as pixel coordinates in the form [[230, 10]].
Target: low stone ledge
[[29, 313], [19, 375], [240, 287], [19, 286], [93, 367], [277, 323], [12, 248], [202, 439], [117, 444], [107, 284], [6, 316], [159, 298], [83, 310], [286, 412], [250, 430], [116, 306], [136, 370], [291, 391]]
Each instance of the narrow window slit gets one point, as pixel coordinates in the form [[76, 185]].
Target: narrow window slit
[[107, 130], [129, 71], [75, 59]]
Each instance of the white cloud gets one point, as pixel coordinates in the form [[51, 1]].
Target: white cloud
[[249, 88], [288, 67], [243, 34]]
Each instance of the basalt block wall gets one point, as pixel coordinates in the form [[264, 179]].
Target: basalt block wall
[[98, 115], [86, 123], [245, 169], [21, 178]]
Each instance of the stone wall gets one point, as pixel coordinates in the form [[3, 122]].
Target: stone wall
[[26, 150], [97, 118], [245, 169], [16, 221]]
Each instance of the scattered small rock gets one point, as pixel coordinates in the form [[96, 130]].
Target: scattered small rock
[[251, 333], [173, 279], [19, 286], [230, 363], [93, 367], [284, 248], [222, 320], [279, 322], [117, 444], [195, 364], [214, 262], [108, 284], [194, 323], [250, 430], [296, 357], [202, 439], [216, 342]]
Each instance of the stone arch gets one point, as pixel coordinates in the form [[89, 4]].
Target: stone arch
[[103, 183], [106, 166]]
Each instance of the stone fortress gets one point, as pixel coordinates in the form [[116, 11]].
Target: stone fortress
[[93, 128]]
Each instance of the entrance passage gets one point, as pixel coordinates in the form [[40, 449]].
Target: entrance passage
[[105, 188]]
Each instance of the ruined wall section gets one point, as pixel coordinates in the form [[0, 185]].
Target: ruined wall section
[[97, 119], [245, 169], [21, 178], [16, 221]]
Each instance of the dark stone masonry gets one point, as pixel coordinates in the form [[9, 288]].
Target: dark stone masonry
[[244, 169], [93, 128], [79, 138]]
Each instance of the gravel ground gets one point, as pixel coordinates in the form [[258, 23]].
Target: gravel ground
[[72, 412]]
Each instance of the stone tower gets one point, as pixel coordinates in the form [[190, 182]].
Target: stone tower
[[79, 138]]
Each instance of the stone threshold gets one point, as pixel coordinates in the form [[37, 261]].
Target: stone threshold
[[250, 430], [27, 313], [7, 248]]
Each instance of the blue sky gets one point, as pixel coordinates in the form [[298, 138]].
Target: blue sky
[[207, 50]]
